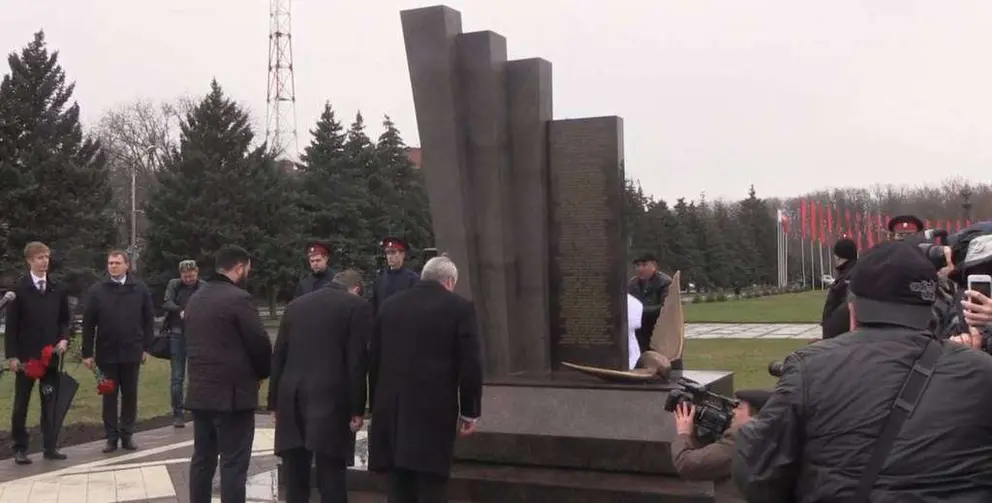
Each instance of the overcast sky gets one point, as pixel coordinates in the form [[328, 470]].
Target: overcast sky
[[788, 95]]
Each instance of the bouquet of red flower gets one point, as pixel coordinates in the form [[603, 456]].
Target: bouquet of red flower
[[36, 369], [104, 385]]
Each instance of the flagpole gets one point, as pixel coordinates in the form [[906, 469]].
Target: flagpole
[[822, 270], [812, 266], [802, 259]]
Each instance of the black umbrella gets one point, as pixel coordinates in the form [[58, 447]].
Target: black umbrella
[[59, 398]]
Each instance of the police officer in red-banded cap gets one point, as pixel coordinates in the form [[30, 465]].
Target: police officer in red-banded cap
[[318, 255], [396, 277], [904, 225]]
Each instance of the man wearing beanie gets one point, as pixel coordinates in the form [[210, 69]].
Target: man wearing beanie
[[835, 315], [884, 413]]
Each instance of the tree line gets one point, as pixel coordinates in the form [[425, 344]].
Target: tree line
[[201, 179]]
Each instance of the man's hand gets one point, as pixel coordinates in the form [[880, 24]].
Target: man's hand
[[14, 364], [466, 427], [88, 362], [62, 346], [977, 309], [972, 339], [684, 414], [144, 357], [356, 423]]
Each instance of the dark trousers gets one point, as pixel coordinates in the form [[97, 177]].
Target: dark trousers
[[23, 386], [126, 377], [177, 349], [227, 435], [407, 486], [296, 465]]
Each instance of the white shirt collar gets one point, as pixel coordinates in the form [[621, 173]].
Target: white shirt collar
[[120, 281], [37, 279]]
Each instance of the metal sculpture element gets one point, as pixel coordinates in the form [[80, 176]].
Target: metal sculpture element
[[667, 343]]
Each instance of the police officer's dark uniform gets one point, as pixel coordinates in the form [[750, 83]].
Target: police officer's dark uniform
[[652, 293], [836, 318], [393, 279], [904, 225], [316, 279]]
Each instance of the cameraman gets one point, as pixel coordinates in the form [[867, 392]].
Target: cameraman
[[884, 413], [713, 461]]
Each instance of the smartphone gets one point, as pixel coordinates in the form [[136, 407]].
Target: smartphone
[[980, 283]]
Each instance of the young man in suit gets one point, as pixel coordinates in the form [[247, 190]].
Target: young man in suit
[[38, 317]]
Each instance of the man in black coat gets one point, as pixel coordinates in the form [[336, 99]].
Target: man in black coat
[[425, 375], [37, 317], [318, 256], [835, 319], [834, 399], [120, 322], [395, 278], [229, 354], [318, 386]]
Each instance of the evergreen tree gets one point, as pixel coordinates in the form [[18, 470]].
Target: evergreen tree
[[403, 197], [335, 189], [726, 220], [219, 190], [362, 230], [714, 247], [54, 181], [685, 252], [759, 226], [693, 218]]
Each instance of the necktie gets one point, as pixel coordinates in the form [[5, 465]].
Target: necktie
[[41, 286]]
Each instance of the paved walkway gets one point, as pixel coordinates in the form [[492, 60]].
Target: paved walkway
[[752, 331], [156, 473]]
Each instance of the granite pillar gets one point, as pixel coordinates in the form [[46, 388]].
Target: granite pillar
[[588, 245], [482, 67], [530, 110]]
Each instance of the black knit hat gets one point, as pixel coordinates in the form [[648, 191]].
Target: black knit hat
[[846, 249]]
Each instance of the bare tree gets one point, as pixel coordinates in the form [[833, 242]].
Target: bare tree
[[138, 137]]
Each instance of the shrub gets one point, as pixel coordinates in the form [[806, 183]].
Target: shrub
[[721, 298], [710, 298], [697, 299]]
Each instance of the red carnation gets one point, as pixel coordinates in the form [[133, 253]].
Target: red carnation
[[47, 353], [35, 369], [104, 385]]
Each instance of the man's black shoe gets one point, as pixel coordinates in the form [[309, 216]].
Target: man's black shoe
[[21, 458], [110, 447], [179, 422], [54, 455], [128, 445]]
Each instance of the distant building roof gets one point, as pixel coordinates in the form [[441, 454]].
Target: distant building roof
[[416, 156]]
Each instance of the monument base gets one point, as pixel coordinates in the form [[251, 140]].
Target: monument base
[[568, 438]]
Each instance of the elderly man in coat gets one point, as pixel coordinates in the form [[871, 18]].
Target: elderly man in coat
[[317, 389], [426, 381]]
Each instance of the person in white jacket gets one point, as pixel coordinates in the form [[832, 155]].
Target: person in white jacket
[[634, 311]]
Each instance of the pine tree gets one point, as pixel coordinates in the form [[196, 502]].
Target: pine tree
[[54, 181], [365, 228], [685, 251], [759, 226], [219, 190], [334, 191], [404, 197]]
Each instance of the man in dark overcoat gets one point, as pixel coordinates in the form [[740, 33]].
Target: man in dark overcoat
[[318, 386], [229, 353], [425, 374]]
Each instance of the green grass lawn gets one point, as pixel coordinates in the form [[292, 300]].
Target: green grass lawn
[[747, 358], [805, 307]]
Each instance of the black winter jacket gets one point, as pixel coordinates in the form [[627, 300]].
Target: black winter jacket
[[118, 321], [811, 441]]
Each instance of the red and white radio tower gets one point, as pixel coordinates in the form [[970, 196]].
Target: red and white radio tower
[[280, 100]]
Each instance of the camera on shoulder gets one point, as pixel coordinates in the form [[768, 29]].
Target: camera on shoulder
[[714, 413]]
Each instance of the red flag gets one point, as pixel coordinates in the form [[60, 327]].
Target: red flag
[[871, 241], [813, 234], [847, 216], [830, 220], [957, 225], [967, 223], [803, 224], [948, 228]]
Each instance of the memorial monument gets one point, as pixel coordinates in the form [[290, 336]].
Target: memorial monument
[[530, 209]]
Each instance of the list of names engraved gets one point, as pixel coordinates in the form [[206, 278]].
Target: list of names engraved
[[583, 261]]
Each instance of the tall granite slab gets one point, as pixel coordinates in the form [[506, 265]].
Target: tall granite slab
[[530, 108], [588, 245], [482, 69], [432, 54]]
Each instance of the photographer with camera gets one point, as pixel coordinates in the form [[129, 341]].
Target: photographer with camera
[[884, 413], [695, 460]]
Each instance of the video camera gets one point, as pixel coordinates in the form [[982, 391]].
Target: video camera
[[932, 242], [714, 412]]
